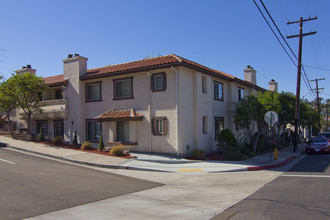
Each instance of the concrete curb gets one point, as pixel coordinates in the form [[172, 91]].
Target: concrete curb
[[251, 168], [255, 168], [89, 163], [271, 166]]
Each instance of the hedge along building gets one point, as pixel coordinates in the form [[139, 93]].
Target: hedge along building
[[166, 104]]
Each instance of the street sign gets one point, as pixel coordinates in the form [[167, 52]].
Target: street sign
[[271, 118]]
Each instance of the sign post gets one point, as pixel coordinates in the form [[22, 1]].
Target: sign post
[[271, 118]]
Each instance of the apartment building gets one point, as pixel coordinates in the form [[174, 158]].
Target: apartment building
[[166, 104]]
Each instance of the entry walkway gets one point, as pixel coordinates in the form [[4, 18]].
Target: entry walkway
[[152, 162]]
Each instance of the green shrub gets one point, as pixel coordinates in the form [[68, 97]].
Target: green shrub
[[41, 135], [198, 154], [117, 150], [247, 151], [262, 146], [226, 139], [101, 144], [57, 140], [86, 146], [233, 153], [74, 141]]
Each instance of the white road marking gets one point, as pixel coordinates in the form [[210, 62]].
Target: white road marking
[[7, 161], [315, 176]]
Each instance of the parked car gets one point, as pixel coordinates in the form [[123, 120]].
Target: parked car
[[326, 135], [317, 144]]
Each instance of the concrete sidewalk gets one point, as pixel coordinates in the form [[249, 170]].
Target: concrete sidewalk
[[153, 162]]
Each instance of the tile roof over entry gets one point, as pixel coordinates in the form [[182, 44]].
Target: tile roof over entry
[[120, 114]]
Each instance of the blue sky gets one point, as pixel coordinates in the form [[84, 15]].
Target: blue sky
[[221, 34]]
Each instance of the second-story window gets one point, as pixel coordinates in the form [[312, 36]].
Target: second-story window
[[123, 88], [205, 126], [218, 91], [93, 92], [58, 94], [158, 82], [240, 94], [204, 84]]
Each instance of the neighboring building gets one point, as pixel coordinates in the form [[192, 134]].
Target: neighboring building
[[166, 104]]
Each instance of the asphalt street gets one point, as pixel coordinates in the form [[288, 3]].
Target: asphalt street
[[300, 193], [31, 186]]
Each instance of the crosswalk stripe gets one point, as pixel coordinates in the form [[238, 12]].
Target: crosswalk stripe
[[7, 161], [190, 170]]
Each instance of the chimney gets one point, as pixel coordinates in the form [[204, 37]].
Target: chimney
[[26, 69], [74, 66], [273, 86], [250, 75]]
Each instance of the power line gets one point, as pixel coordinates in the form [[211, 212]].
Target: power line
[[278, 29], [274, 33], [306, 81], [319, 68]]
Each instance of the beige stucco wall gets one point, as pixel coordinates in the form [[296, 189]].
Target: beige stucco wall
[[183, 104], [75, 93], [149, 104]]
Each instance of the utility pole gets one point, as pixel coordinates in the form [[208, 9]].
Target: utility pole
[[297, 107], [326, 107], [317, 99]]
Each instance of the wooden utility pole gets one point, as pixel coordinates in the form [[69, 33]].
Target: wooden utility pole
[[297, 107], [326, 107], [317, 99]]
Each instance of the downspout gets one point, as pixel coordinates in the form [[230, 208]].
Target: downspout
[[149, 109], [177, 109]]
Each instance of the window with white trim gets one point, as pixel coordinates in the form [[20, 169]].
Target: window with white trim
[[240, 94], [123, 88], [93, 92], [218, 126], [204, 84], [159, 126], [205, 130], [218, 91], [123, 131], [158, 82], [93, 130]]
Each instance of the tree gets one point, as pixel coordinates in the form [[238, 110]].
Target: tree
[[309, 117], [75, 141], [101, 144], [251, 110], [287, 108], [248, 113], [28, 88], [8, 99]]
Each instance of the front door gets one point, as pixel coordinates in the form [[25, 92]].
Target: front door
[[58, 128]]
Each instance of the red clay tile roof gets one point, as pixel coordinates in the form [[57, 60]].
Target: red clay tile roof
[[158, 63], [150, 63], [119, 114], [55, 80]]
